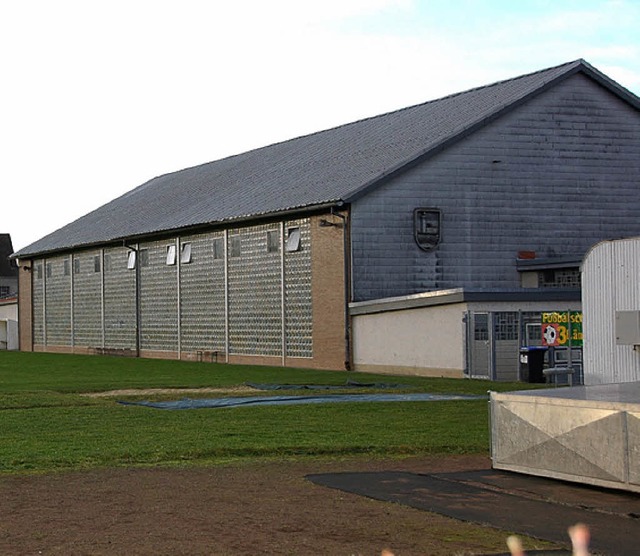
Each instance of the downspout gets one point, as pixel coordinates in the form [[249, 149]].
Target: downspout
[[136, 250], [44, 302], [102, 298], [31, 309], [347, 286], [72, 304], [226, 296], [179, 294], [283, 298]]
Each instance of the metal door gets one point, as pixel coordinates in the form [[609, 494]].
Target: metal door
[[479, 345]]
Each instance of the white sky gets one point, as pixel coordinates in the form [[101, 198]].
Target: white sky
[[97, 97]]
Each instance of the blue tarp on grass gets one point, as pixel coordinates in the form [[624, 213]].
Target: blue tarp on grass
[[347, 385], [187, 403]]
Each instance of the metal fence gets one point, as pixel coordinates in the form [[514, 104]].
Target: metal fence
[[494, 340]]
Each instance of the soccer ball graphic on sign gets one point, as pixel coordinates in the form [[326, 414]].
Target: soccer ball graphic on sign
[[550, 335]]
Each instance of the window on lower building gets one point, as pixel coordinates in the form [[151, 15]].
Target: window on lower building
[[39, 272], [67, 267], [49, 270], [76, 266], [96, 263], [4, 291], [506, 325], [557, 271], [426, 226], [481, 327], [560, 278]]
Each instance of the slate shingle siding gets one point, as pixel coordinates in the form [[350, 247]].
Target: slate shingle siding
[[555, 176]]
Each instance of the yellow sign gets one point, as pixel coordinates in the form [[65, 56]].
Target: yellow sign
[[562, 329]]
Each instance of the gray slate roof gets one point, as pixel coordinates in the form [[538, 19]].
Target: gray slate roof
[[329, 167]]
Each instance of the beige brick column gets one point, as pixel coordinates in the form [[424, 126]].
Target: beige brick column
[[328, 292], [25, 306]]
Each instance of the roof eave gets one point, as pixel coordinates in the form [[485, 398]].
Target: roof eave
[[608, 83], [121, 240]]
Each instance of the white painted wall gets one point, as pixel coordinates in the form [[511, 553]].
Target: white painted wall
[[9, 310], [426, 341], [610, 283], [8, 334]]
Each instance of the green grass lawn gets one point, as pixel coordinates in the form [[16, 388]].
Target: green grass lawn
[[47, 424]]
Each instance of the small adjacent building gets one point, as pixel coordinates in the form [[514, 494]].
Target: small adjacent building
[[611, 302], [8, 295], [426, 240], [8, 269]]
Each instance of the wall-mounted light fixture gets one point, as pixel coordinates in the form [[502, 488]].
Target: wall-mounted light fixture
[[324, 223]]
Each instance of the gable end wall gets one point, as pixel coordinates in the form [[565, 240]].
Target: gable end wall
[[554, 176]]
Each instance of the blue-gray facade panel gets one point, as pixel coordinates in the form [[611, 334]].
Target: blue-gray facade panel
[[553, 176]]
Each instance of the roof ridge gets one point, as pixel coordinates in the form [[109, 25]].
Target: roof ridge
[[457, 94], [577, 62], [511, 79]]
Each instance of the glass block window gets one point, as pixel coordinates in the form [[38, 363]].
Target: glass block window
[[218, 248], [273, 241], [144, 257], [235, 247]]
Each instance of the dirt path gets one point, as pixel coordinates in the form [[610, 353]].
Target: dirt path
[[175, 391], [266, 508]]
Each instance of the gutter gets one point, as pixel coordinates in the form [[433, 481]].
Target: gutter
[[172, 232]]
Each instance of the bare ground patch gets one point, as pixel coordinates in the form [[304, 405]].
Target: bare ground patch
[[234, 390]]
